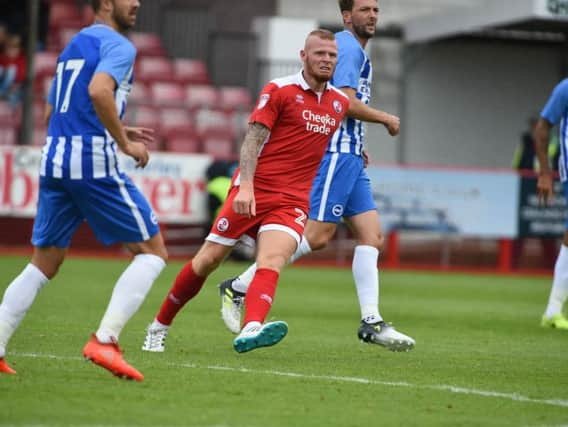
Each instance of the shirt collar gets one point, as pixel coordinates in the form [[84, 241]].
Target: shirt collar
[[304, 84]]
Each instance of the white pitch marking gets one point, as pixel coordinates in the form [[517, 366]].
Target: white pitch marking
[[453, 389]]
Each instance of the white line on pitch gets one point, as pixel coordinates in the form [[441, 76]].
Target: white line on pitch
[[453, 389]]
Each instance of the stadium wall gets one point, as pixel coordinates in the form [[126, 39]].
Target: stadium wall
[[467, 101]]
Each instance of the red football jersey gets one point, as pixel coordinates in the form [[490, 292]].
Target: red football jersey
[[301, 122]]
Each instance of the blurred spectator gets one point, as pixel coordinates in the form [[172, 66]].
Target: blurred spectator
[[525, 153], [12, 70], [525, 159]]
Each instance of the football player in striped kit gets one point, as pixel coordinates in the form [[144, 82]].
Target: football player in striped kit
[[81, 180], [342, 188], [554, 113]]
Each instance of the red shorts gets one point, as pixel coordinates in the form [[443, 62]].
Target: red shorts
[[274, 211]]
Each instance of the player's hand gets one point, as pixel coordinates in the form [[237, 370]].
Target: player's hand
[[366, 158], [244, 202], [544, 188], [138, 151], [140, 134], [393, 125]]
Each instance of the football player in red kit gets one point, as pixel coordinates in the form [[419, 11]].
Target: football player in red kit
[[269, 200]]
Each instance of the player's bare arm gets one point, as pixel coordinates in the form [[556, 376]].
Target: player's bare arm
[[544, 183], [361, 111], [244, 202], [101, 91]]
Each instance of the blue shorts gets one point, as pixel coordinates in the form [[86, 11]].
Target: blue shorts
[[341, 188], [113, 207]]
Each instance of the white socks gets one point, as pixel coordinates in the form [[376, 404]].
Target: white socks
[[18, 298], [366, 276], [302, 249], [559, 291], [242, 282], [128, 294]]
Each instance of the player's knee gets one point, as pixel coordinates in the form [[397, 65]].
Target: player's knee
[[319, 240], [272, 263], [374, 240], [206, 261], [48, 261], [162, 253]]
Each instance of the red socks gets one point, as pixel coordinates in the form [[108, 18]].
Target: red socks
[[186, 286], [260, 295]]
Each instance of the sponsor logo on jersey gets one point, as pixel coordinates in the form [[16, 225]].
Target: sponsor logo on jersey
[[263, 100], [337, 210], [153, 218], [223, 224], [337, 106], [317, 123], [300, 99]]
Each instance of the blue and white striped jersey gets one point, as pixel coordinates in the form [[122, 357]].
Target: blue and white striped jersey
[[554, 112], [78, 146], [353, 70]]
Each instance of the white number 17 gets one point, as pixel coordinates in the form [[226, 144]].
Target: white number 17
[[74, 65]]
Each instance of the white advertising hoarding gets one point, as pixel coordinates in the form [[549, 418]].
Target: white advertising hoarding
[[468, 203], [174, 184]]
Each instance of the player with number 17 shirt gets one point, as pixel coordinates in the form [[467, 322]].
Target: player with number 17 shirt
[[80, 180]]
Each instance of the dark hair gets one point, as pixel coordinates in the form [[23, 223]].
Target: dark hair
[[96, 5], [346, 5], [322, 34]]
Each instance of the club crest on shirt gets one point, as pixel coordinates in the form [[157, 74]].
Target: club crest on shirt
[[263, 100], [337, 106], [337, 210], [223, 224], [153, 218]]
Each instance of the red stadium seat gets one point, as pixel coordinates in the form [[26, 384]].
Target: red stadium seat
[[8, 136], [147, 44], [38, 112], [139, 94], [45, 64], [63, 14], [40, 133], [167, 94], [190, 71], [182, 142], [198, 96], [153, 68], [172, 119], [144, 116], [235, 98], [66, 34], [7, 115], [220, 145], [214, 120], [87, 15]]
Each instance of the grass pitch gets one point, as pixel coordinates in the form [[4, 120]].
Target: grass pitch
[[481, 357]]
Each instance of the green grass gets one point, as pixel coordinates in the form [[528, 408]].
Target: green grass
[[479, 333]]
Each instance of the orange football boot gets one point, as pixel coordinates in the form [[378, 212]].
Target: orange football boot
[[109, 356], [5, 368]]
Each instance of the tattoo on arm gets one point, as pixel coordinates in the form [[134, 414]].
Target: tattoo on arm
[[254, 138]]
